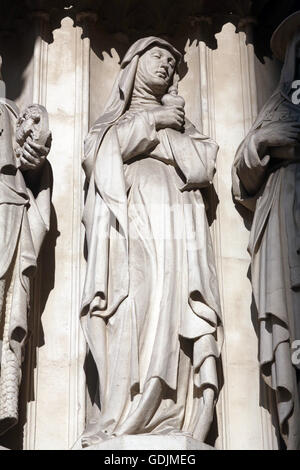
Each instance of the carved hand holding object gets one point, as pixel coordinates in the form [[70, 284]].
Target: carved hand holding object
[[33, 137]]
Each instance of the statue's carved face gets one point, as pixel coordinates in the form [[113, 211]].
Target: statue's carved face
[[159, 63]]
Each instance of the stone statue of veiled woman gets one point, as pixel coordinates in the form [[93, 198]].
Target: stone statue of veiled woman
[[150, 306], [266, 175]]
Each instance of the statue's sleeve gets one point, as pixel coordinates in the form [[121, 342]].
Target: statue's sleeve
[[195, 154], [137, 135], [251, 168], [249, 172]]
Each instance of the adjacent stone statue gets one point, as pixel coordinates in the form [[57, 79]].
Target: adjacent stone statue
[[24, 220], [266, 177], [150, 307]]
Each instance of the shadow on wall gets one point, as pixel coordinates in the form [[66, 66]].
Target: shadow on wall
[[16, 51], [119, 24], [189, 19]]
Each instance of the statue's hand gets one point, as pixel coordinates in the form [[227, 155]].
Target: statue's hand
[[278, 134], [169, 116], [33, 155]]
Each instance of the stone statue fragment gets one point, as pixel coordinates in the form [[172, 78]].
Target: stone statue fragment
[[266, 175], [25, 141]]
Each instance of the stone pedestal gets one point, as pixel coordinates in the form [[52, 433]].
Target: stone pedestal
[[147, 442]]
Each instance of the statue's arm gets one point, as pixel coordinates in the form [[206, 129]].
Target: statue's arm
[[251, 164], [199, 153], [255, 155], [137, 135], [33, 142], [32, 165]]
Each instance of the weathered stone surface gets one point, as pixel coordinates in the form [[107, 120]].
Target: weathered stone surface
[[25, 187], [66, 56], [162, 336], [148, 442], [265, 180]]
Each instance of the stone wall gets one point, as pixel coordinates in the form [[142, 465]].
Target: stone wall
[[224, 88]]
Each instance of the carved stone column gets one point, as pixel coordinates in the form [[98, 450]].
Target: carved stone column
[[221, 97], [39, 87], [247, 54], [40, 56], [198, 89], [246, 424], [58, 406], [81, 127]]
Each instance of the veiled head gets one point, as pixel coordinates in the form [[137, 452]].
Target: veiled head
[[156, 67], [143, 78], [284, 35], [292, 56]]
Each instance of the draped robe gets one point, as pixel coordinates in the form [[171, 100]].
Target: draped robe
[[24, 221], [150, 308]]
